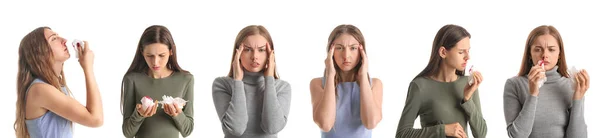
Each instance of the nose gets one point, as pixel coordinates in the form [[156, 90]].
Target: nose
[[255, 55], [155, 61], [545, 54], [346, 53], [467, 56]]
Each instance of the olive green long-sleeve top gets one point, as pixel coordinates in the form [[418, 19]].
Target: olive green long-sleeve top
[[160, 125], [438, 104]]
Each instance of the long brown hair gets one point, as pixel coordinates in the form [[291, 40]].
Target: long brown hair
[[354, 32], [249, 31], [446, 37], [527, 62], [35, 61], [153, 34]]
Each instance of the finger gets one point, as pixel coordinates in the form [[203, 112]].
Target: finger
[[86, 46], [331, 50], [148, 111], [268, 47], [479, 76], [583, 81], [587, 77], [362, 52], [580, 81], [173, 110]]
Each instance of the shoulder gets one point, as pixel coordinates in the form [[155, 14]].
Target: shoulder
[[187, 76], [224, 80], [280, 82], [419, 81], [41, 91], [516, 80], [316, 82], [376, 81], [132, 76]]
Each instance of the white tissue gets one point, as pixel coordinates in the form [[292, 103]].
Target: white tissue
[[573, 74], [146, 102], [75, 43], [543, 80], [470, 74], [170, 100]]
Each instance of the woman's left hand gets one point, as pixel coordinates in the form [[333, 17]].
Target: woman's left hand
[[365, 62], [582, 83], [270, 66], [470, 89], [172, 109]]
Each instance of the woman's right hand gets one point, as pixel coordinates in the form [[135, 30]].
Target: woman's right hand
[[535, 74], [147, 112], [86, 56], [455, 130], [329, 63], [238, 73]]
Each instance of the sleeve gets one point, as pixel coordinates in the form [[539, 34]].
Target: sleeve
[[132, 120], [185, 120], [472, 108], [409, 114], [276, 105], [577, 127], [230, 103], [519, 118]]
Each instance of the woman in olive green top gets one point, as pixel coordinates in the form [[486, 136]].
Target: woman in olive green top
[[155, 72], [441, 95]]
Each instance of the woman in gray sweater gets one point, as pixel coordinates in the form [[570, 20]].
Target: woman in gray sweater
[[542, 101], [252, 102]]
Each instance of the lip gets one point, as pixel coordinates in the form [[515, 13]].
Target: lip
[[347, 63], [464, 64], [255, 65], [155, 68]]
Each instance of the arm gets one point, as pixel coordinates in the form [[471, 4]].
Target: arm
[[185, 120], [472, 108], [370, 101], [132, 120], [577, 127], [519, 118], [52, 99], [230, 103], [410, 113], [276, 105], [323, 103]]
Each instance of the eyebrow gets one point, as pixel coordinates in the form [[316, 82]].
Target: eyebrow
[[251, 46], [348, 45], [157, 54], [51, 35]]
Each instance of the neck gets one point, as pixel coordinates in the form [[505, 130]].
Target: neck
[[445, 74], [57, 67], [160, 74], [347, 76]]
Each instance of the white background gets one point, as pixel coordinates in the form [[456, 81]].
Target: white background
[[398, 39]]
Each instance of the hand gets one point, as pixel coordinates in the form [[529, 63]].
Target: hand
[[147, 112], [455, 130], [582, 83], [329, 63], [270, 66], [535, 74], [238, 73], [470, 89], [86, 56], [363, 71], [172, 109]]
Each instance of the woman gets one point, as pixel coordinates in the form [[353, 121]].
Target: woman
[[45, 108], [556, 108], [155, 72], [346, 101], [251, 101], [441, 95]]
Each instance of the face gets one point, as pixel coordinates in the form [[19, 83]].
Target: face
[[254, 56], [346, 53], [545, 47], [458, 56], [58, 46], [157, 56]]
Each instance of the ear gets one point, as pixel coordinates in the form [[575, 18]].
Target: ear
[[171, 52], [442, 51]]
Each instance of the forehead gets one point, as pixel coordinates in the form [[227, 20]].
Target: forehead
[[255, 40], [464, 43], [48, 33], [345, 39], [546, 39], [156, 48]]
